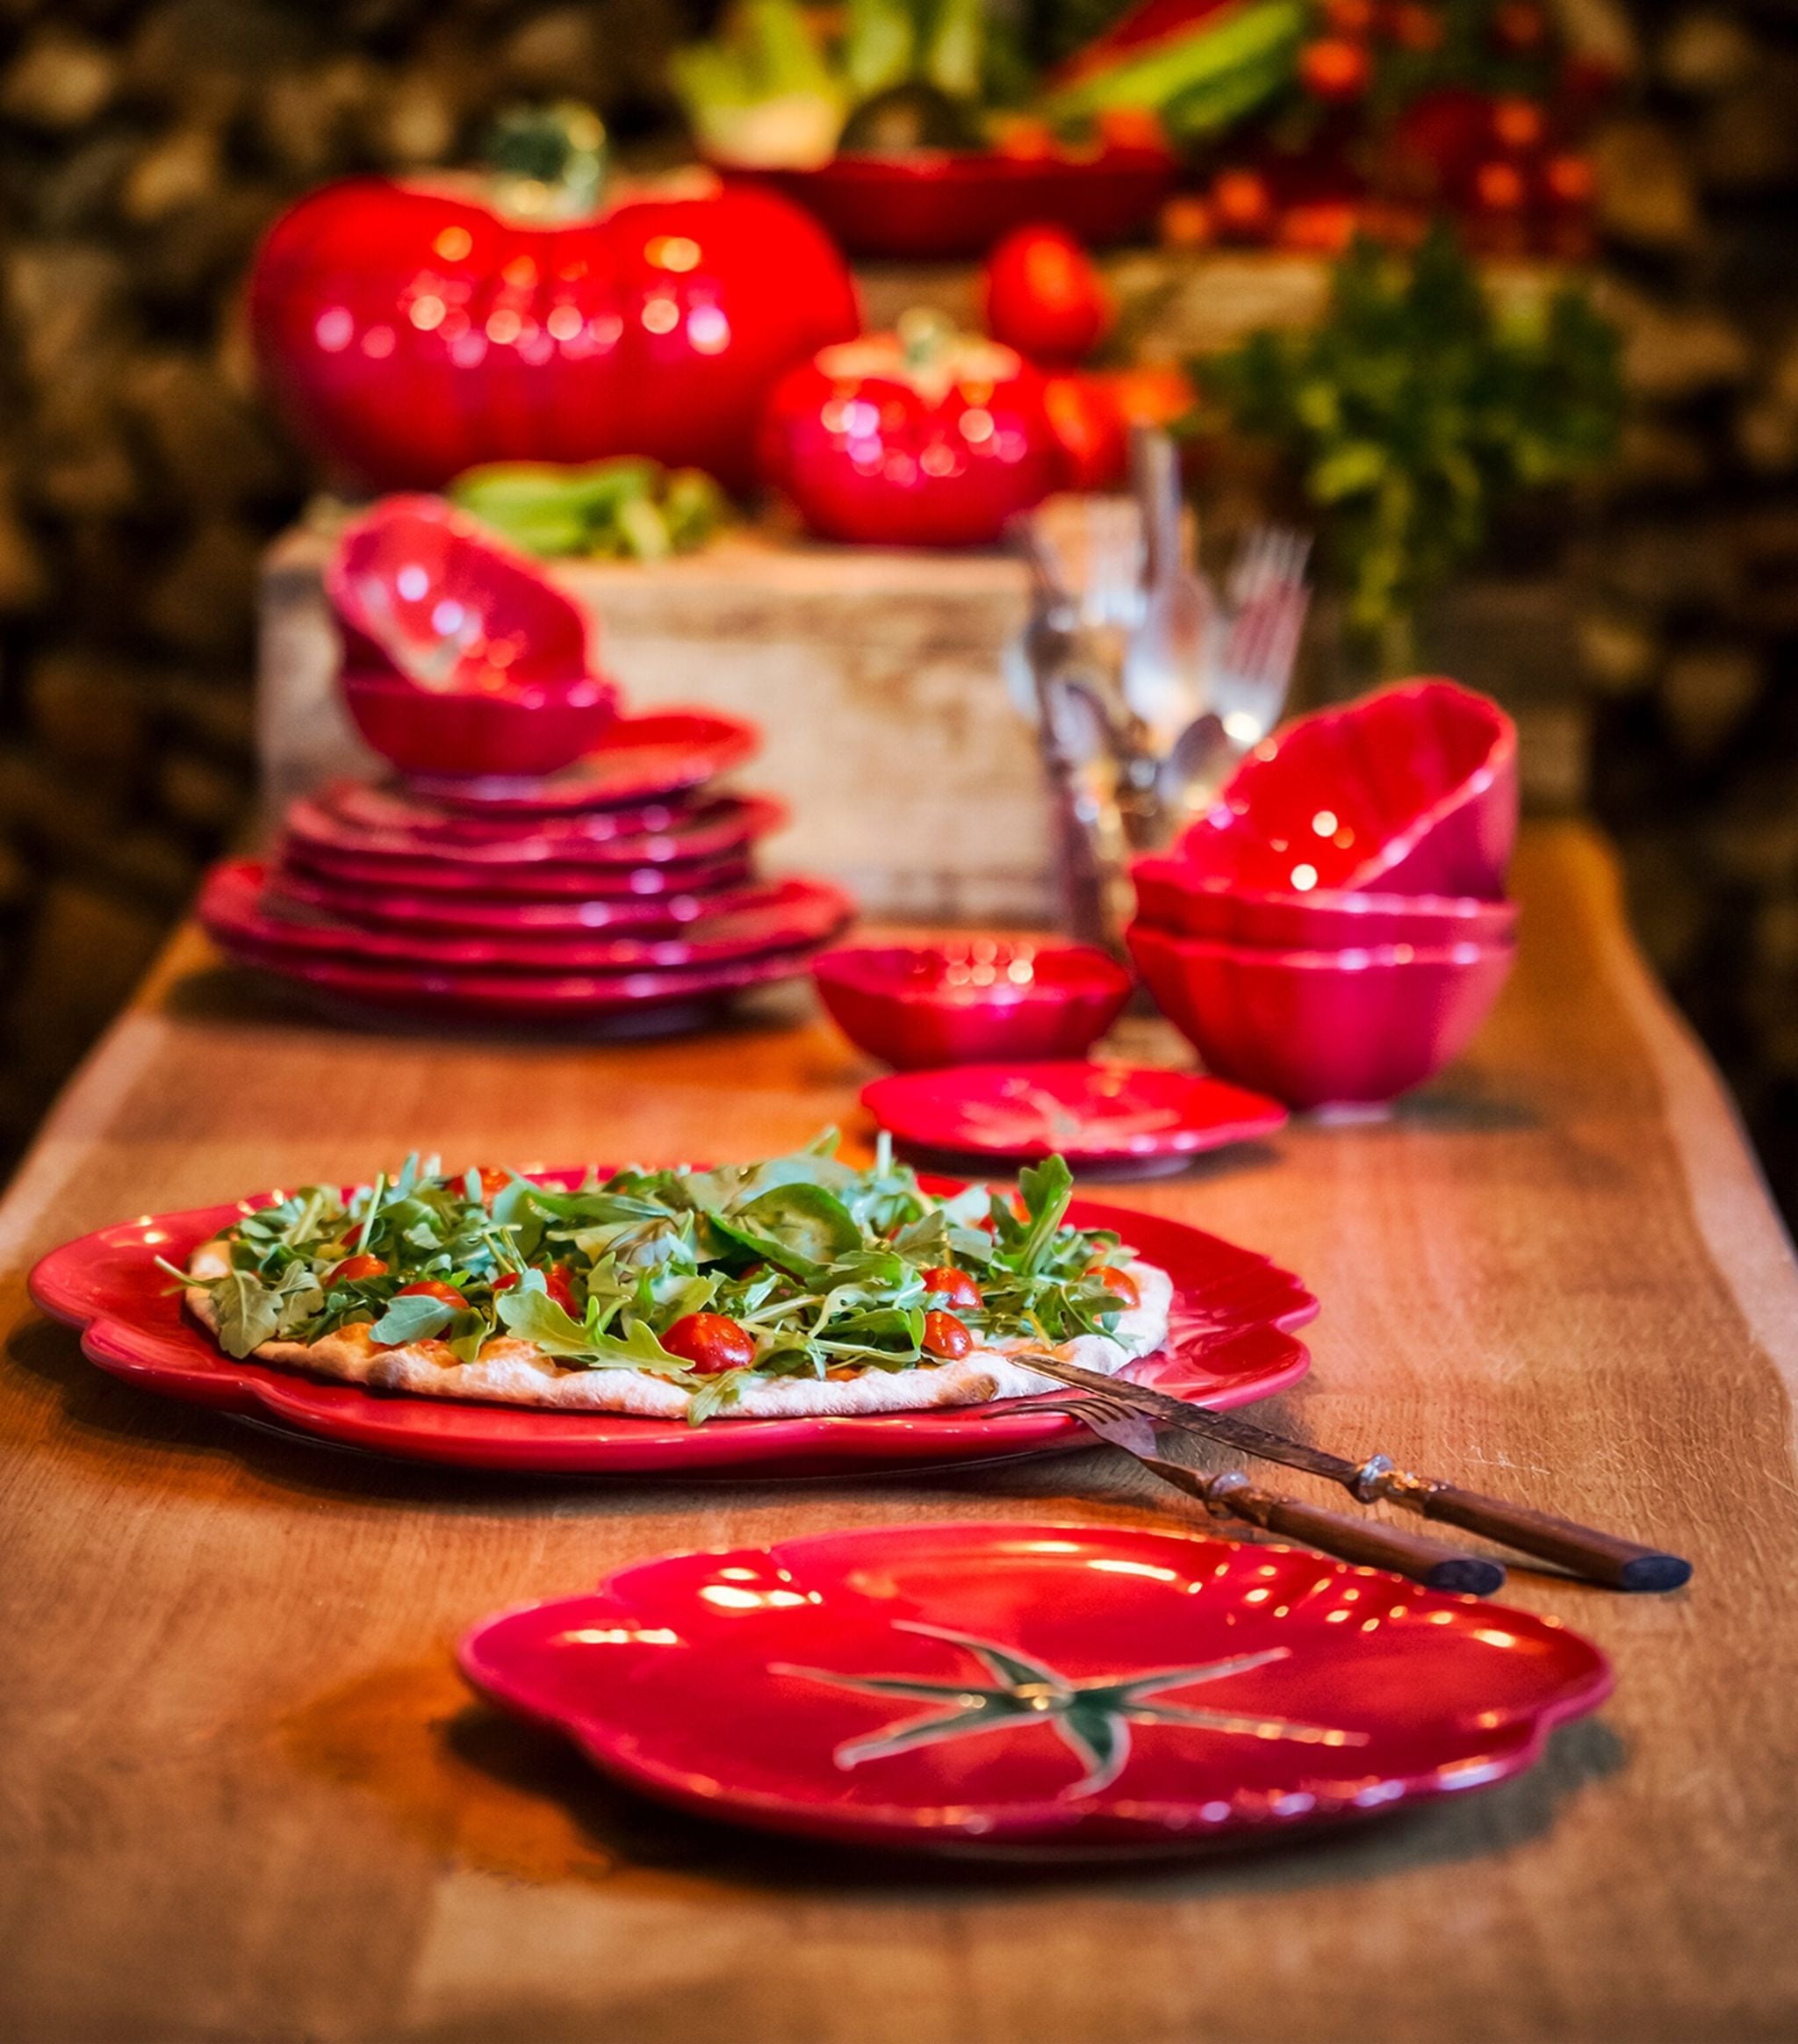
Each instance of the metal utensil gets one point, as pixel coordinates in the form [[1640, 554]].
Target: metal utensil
[[1600, 1558], [1367, 1543]]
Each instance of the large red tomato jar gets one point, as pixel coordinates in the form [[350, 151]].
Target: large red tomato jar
[[411, 329], [922, 437]]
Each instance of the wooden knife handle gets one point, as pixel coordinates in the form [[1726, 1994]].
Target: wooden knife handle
[[1600, 1557], [1365, 1541]]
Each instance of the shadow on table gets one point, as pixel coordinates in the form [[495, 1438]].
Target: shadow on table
[[630, 1834]]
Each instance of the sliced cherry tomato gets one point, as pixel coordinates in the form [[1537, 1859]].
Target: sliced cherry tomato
[[494, 1181], [353, 1267], [710, 1342], [946, 1336], [431, 1288], [945, 1281], [1118, 1281], [557, 1283]]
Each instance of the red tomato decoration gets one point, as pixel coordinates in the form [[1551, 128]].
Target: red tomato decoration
[[1518, 125], [920, 438], [431, 1288], [945, 1281], [410, 332], [1094, 441], [1242, 206], [353, 1267], [946, 1336], [711, 1343], [1569, 181], [1042, 294]]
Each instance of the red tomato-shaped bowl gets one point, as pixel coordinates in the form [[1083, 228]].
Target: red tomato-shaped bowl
[[1171, 896], [878, 449], [460, 731], [971, 1001], [1412, 788], [1322, 1028], [411, 331], [957, 203]]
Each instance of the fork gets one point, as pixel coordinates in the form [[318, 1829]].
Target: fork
[[1367, 1543]]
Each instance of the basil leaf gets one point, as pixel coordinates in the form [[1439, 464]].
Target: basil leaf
[[415, 1318]]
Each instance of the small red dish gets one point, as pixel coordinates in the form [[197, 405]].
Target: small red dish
[[641, 759], [1322, 1028], [711, 829], [971, 1000], [1230, 1341], [1091, 1114], [588, 883], [394, 809], [1173, 896], [1035, 1688], [297, 890], [425, 593], [519, 729], [238, 907], [956, 202], [1412, 789]]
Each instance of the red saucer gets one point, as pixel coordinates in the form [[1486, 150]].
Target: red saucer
[[580, 883], [1090, 1113], [238, 904], [644, 759], [1079, 1688]]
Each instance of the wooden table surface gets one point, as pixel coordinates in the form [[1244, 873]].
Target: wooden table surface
[[244, 1798]]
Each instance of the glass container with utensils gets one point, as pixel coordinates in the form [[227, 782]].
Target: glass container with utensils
[[1145, 683]]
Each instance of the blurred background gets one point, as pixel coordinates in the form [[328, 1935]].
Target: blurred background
[[1641, 622]]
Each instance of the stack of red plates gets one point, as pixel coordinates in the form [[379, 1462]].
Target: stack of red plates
[[623, 888]]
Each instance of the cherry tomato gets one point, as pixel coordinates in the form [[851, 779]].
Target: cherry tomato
[[1242, 206], [1044, 296], [494, 1181], [557, 1283], [1498, 187], [1569, 181], [945, 1281], [353, 1267], [431, 1288], [1322, 228], [1119, 1282], [1186, 222], [710, 1344], [1518, 125], [1518, 26], [1416, 27], [1334, 70], [1350, 17], [946, 1336]]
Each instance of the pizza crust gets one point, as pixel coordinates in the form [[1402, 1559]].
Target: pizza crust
[[509, 1372]]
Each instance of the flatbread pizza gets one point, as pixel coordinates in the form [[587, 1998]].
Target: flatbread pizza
[[798, 1285]]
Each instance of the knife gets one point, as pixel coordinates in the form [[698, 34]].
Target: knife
[[1600, 1558]]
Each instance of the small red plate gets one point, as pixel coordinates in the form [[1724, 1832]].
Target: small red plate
[[1090, 1113], [1230, 1342], [371, 807], [642, 759], [1040, 1687], [711, 831], [364, 902], [237, 906], [579, 883]]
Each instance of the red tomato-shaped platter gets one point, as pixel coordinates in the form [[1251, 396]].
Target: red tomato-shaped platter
[[410, 330]]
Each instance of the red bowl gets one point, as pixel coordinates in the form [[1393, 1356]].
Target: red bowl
[[1171, 896], [1414, 787], [975, 1000], [1318, 1028], [423, 592], [942, 203], [513, 731]]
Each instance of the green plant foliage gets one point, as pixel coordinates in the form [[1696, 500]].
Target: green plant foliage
[[1414, 411]]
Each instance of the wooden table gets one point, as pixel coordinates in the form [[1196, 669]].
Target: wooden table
[[243, 1796]]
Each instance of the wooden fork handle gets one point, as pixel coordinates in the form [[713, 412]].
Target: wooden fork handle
[[1365, 1541], [1600, 1557]]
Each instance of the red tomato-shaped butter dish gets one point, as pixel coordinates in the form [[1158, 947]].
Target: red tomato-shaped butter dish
[[924, 438], [411, 330]]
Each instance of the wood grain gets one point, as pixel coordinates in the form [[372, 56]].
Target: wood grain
[[244, 1796]]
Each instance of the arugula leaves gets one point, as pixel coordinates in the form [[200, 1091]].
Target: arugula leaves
[[821, 1262]]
